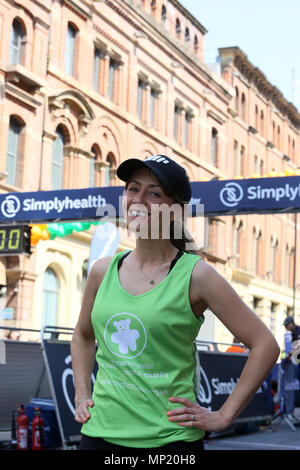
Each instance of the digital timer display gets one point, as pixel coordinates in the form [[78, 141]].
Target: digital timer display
[[14, 239]]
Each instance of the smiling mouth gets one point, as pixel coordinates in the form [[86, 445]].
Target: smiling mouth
[[137, 213]]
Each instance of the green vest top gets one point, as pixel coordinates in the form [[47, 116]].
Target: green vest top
[[146, 354]]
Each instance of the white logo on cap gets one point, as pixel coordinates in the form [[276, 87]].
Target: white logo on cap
[[157, 158]]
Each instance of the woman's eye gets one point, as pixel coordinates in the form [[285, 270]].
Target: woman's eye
[[132, 189]]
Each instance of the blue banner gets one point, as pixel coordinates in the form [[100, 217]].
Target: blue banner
[[228, 197], [67, 205], [248, 196]]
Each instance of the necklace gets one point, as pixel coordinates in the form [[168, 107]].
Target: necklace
[[151, 281]]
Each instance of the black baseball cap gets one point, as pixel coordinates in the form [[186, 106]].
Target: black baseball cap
[[288, 320], [169, 173]]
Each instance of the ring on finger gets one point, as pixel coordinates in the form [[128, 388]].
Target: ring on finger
[[192, 417]]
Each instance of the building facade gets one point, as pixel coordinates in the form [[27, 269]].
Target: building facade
[[86, 84]]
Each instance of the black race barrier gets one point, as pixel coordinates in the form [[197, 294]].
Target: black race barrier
[[219, 374]]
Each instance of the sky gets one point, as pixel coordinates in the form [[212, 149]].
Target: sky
[[267, 31]]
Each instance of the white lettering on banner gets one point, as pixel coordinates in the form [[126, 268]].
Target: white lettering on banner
[[277, 193], [90, 202], [226, 388], [232, 193]]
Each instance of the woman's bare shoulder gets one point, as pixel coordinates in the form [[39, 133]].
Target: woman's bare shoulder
[[99, 268]]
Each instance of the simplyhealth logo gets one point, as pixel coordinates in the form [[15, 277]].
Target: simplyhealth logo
[[232, 193], [10, 206]]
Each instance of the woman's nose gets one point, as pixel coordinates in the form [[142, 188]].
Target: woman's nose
[[139, 197]]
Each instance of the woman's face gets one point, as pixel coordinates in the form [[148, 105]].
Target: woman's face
[[146, 206]]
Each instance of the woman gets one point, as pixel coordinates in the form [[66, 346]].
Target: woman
[[145, 308]]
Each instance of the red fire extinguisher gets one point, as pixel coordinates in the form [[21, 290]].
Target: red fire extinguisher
[[37, 431], [22, 429]]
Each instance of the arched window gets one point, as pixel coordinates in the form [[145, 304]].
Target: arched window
[[50, 298], [178, 28], [70, 49], [13, 147], [17, 42], [187, 36], [58, 159]]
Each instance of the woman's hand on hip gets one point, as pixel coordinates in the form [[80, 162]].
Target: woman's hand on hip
[[195, 416]]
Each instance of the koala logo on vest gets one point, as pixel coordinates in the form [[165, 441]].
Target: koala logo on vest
[[125, 335]]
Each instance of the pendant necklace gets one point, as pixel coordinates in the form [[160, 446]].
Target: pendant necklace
[[152, 281]]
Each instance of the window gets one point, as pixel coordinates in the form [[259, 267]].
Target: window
[[50, 298], [274, 271], [58, 159], [256, 117], [278, 138], [257, 242], [13, 146], [236, 158], [107, 172], [153, 105], [70, 49], [187, 37], [163, 14], [262, 123], [178, 28], [208, 233], [140, 97], [237, 99], [113, 65], [176, 121], [92, 172], [196, 44], [214, 146], [242, 161], [293, 149], [16, 42], [289, 267], [243, 106], [237, 234], [187, 129], [96, 73]]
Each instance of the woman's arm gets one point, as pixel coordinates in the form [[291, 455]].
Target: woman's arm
[[83, 343], [209, 287]]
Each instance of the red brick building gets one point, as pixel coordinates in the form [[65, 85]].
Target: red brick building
[[91, 83]]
